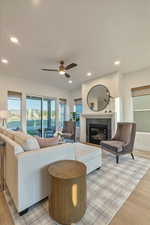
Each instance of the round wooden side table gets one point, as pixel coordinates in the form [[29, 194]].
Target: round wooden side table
[[2, 147], [67, 199]]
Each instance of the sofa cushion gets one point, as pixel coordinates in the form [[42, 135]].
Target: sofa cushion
[[28, 142], [13, 145], [9, 133], [46, 142], [115, 146], [85, 153], [2, 129], [10, 144]]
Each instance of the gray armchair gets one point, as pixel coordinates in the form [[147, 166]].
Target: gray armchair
[[122, 142], [69, 130]]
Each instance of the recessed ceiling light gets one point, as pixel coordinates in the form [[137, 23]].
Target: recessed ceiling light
[[70, 81], [117, 63], [14, 40], [5, 61], [89, 74], [36, 2]]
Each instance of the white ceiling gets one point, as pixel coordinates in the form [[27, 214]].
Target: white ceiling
[[91, 33]]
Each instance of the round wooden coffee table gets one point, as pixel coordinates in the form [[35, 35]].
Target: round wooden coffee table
[[67, 199]]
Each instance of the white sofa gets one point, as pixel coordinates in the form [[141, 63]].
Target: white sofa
[[26, 172]]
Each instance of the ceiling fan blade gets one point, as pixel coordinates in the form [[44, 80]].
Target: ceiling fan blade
[[53, 70], [67, 75], [70, 66]]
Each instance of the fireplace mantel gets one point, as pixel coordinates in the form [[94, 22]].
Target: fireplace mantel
[[104, 115]]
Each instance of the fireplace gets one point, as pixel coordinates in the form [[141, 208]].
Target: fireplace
[[97, 130]]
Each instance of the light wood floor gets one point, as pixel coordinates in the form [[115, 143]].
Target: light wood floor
[[135, 211]]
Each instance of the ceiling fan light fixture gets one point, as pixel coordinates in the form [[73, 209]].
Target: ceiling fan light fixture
[[14, 40], [61, 68], [61, 72]]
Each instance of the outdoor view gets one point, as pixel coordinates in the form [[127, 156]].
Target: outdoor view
[[14, 112], [62, 113], [78, 110], [41, 116]]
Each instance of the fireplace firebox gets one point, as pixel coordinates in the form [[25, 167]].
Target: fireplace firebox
[[98, 130]]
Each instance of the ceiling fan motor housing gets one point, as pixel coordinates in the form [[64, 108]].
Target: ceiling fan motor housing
[[61, 67]]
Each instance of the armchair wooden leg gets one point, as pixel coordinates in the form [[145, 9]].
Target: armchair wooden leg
[[132, 156], [117, 159]]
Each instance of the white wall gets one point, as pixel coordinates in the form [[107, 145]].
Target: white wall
[[73, 94], [132, 80], [28, 87], [111, 82]]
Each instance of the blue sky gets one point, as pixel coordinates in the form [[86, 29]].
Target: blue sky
[[15, 104]]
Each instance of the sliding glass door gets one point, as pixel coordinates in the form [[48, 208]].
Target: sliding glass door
[[41, 116]]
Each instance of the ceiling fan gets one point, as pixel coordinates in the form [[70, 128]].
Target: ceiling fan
[[62, 69]]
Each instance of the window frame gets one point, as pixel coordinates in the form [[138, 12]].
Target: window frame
[[138, 92]]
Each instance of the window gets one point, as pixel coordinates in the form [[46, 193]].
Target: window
[[78, 110], [62, 111], [41, 116], [141, 108], [14, 110]]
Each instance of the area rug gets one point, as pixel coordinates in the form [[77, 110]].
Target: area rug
[[107, 190]]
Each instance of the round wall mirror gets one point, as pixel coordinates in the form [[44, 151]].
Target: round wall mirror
[[98, 98]]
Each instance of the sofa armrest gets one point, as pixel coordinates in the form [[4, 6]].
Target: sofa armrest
[[33, 178]]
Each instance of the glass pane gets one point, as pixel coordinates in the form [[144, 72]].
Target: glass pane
[[49, 117], [14, 113], [141, 107], [34, 116], [45, 113], [53, 114], [142, 120], [78, 110], [62, 113], [141, 102]]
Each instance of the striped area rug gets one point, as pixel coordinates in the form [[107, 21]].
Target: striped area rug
[[107, 190]]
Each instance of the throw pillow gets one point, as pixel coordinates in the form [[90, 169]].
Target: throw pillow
[[28, 142], [46, 142]]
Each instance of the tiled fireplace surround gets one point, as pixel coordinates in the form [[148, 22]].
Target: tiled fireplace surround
[[98, 129]]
